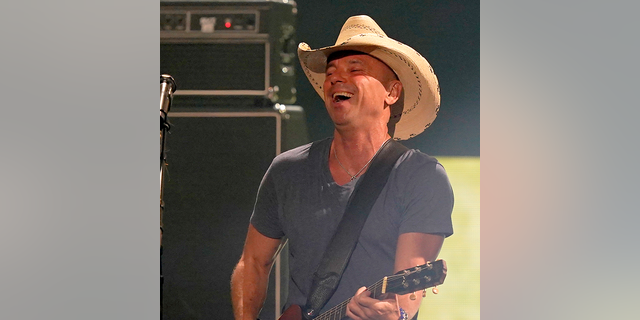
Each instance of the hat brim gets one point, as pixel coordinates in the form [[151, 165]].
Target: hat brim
[[421, 102]]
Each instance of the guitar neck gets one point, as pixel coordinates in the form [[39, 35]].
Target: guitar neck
[[403, 282], [340, 311]]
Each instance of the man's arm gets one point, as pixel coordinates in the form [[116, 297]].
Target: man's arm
[[251, 276], [413, 249]]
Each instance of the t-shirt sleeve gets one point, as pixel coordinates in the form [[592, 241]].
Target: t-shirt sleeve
[[428, 201], [265, 216]]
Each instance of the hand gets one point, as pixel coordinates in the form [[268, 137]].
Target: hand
[[363, 307]]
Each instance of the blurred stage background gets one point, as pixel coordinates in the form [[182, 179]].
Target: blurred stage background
[[447, 33]]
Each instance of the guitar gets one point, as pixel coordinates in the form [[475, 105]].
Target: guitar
[[409, 280]]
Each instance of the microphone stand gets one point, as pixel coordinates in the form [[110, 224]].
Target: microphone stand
[[167, 88]]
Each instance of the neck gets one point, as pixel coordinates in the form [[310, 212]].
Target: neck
[[352, 153], [359, 145]]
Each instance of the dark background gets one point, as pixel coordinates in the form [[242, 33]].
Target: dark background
[[215, 165], [447, 33]]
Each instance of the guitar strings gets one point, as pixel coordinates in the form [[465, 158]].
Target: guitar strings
[[339, 311]]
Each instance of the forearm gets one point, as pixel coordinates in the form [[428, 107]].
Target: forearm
[[410, 306], [249, 289], [415, 249]]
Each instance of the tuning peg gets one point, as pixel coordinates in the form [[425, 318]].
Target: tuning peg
[[412, 296], [434, 290]]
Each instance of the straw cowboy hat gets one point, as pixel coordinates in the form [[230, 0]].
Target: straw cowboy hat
[[418, 107]]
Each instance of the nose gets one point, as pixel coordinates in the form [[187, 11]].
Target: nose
[[335, 77]]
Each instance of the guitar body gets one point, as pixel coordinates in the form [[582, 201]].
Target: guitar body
[[292, 313]]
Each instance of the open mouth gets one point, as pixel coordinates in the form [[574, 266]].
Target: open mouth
[[341, 96]]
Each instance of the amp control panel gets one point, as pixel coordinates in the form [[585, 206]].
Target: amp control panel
[[209, 22]]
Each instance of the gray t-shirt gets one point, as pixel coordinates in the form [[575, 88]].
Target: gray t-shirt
[[299, 199]]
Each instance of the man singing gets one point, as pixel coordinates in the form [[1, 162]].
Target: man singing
[[375, 89]]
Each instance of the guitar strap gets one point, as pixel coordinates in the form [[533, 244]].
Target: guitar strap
[[339, 250]]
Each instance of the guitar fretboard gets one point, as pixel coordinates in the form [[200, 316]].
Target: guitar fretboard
[[404, 282], [340, 311]]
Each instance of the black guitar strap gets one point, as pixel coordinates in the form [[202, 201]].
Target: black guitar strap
[[339, 250]]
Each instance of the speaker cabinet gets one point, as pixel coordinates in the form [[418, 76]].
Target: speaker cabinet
[[230, 48], [216, 160]]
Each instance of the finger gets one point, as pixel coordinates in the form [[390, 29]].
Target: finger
[[361, 290], [352, 315], [388, 296], [366, 300], [362, 293], [354, 311]]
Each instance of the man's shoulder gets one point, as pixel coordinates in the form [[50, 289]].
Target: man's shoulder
[[300, 155], [417, 158], [416, 165]]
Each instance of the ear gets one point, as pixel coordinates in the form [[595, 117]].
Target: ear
[[394, 91]]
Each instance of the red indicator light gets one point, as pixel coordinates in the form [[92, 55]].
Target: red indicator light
[[227, 24]]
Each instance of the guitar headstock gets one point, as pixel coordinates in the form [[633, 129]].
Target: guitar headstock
[[417, 278]]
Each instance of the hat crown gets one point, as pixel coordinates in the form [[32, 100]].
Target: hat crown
[[358, 25]]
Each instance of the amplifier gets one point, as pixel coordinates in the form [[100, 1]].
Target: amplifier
[[216, 160], [230, 50]]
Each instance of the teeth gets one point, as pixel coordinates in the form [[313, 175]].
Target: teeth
[[344, 94]]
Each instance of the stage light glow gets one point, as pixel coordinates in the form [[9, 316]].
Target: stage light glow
[[459, 296]]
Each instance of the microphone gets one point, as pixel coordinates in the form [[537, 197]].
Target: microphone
[[167, 88]]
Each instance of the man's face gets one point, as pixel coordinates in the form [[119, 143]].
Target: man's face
[[357, 89]]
